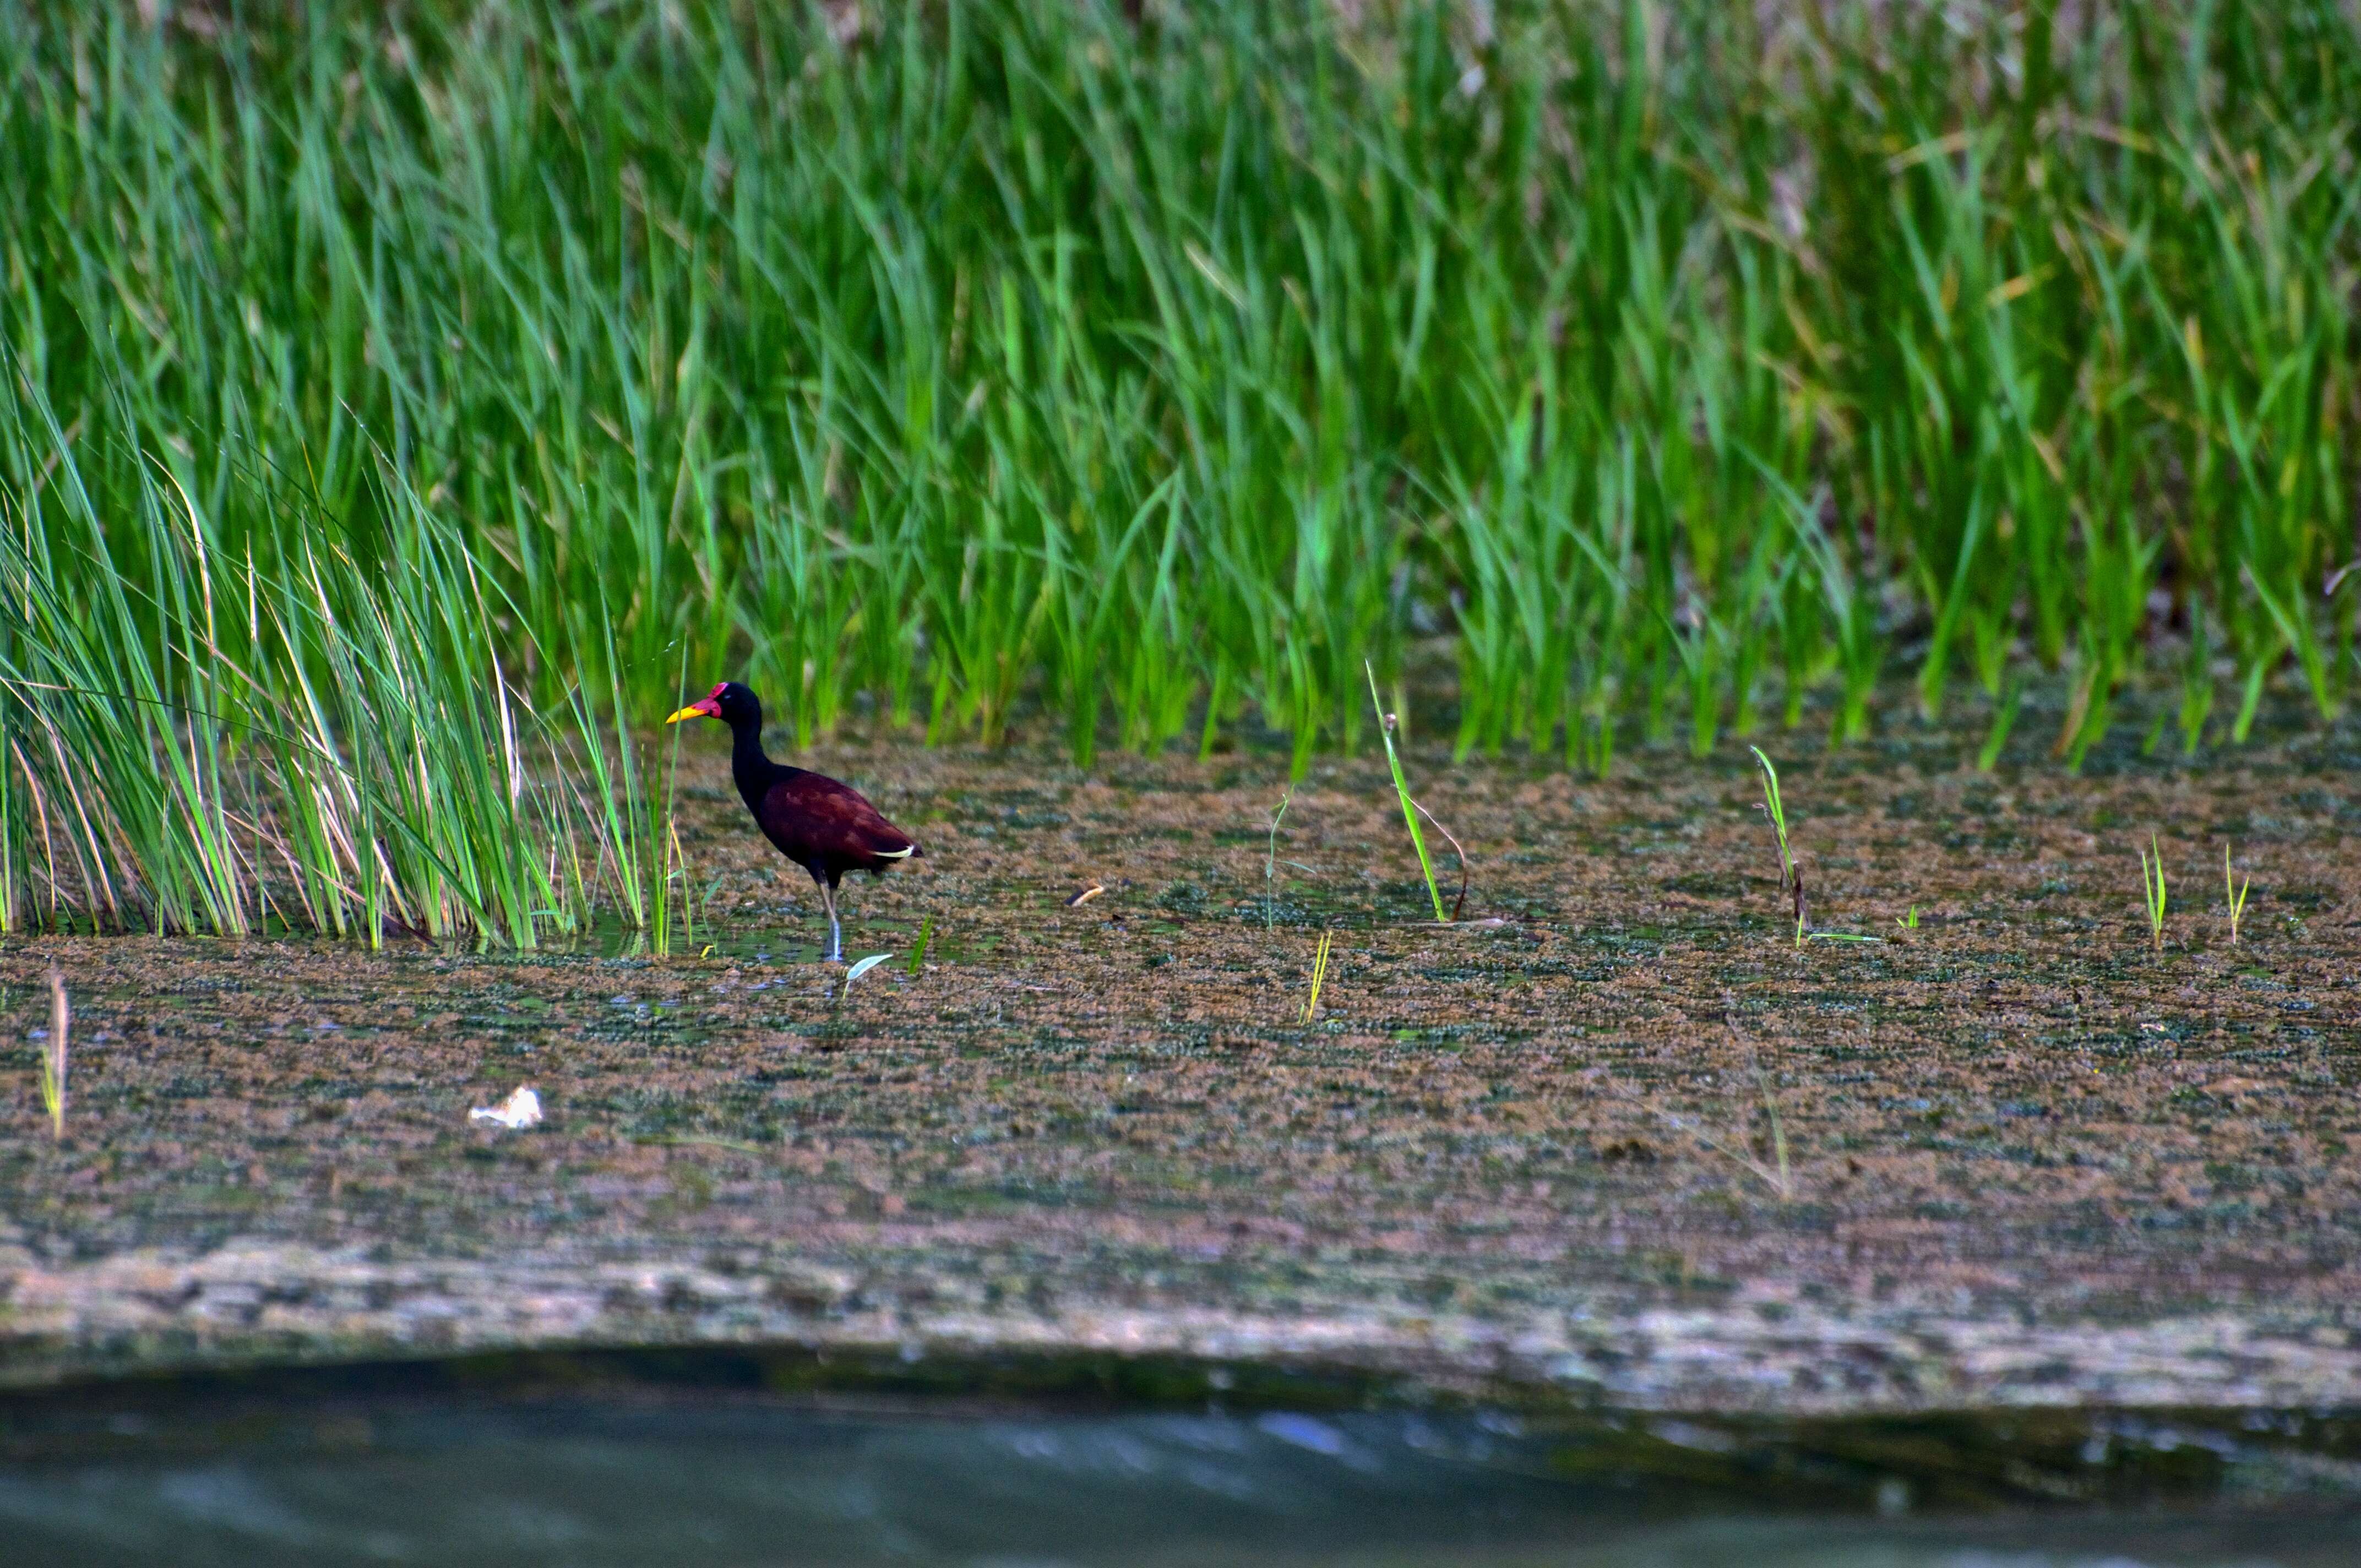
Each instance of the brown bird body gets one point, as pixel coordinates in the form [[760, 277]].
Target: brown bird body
[[823, 825]]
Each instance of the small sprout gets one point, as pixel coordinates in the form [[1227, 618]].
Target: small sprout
[[1319, 975], [1270, 860], [53, 1055], [1802, 907], [1908, 922], [707, 952], [2152, 889], [1410, 809], [1776, 1173], [1791, 875], [1777, 812], [926, 935], [2237, 895], [1785, 1185], [863, 966]]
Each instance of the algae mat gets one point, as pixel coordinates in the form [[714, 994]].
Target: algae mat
[[1534, 1157]]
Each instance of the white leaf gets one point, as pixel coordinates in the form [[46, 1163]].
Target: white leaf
[[864, 966]]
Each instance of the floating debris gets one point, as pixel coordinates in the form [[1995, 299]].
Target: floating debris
[[522, 1109]]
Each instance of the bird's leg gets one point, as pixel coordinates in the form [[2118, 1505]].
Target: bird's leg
[[828, 902], [835, 930]]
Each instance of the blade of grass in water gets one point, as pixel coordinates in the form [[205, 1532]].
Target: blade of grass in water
[[1402, 794]]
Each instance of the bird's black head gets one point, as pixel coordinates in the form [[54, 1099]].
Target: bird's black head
[[728, 702]]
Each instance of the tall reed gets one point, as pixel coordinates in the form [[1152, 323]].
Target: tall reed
[[381, 381]]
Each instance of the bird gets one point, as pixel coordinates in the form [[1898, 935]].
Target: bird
[[823, 825]]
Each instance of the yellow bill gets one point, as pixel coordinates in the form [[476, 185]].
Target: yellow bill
[[707, 706]]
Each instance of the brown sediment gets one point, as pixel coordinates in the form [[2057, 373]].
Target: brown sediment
[[2031, 1161]]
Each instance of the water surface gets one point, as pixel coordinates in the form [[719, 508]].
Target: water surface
[[595, 1482]]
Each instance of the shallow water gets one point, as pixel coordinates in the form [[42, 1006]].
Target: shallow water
[[592, 1484]]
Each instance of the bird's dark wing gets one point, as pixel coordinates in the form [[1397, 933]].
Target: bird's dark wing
[[813, 818]]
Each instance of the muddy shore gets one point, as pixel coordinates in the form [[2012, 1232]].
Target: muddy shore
[[1534, 1157]]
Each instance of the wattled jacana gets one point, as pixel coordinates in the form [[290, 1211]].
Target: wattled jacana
[[823, 825]]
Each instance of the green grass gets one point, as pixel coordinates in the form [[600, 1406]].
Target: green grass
[[396, 401], [1774, 809], [1411, 809], [1270, 863], [2233, 893], [2152, 894], [1785, 1184], [1319, 976], [1776, 1173], [53, 1055], [1791, 875]]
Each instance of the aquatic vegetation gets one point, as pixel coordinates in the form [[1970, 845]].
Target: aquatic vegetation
[[1774, 1173], [1458, 905], [918, 950], [1791, 875], [314, 730], [663, 830], [1270, 863], [2003, 721], [2234, 894], [1411, 809], [1785, 1184], [1319, 976], [2152, 894], [1774, 808], [393, 400], [53, 1055]]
